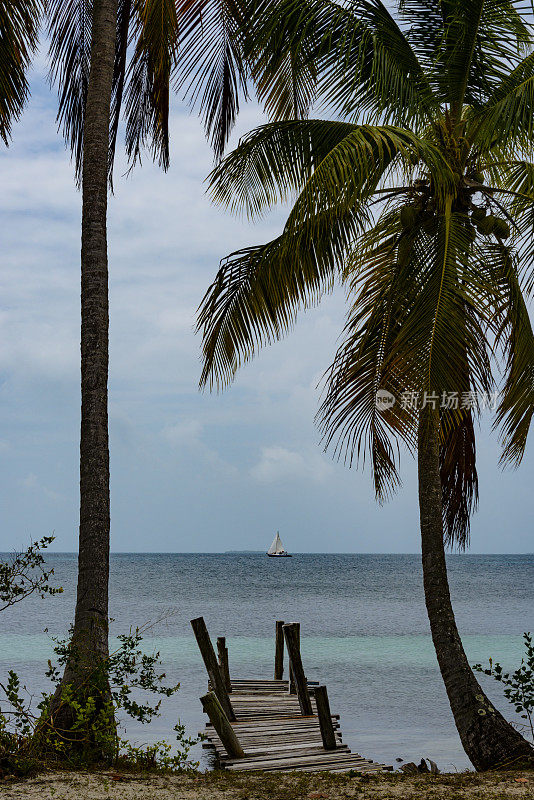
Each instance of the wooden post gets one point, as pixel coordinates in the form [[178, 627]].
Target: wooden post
[[291, 634], [325, 718], [279, 651], [221, 723], [212, 667], [292, 687], [222, 651]]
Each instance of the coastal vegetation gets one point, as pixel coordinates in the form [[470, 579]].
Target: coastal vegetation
[[518, 686], [418, 198], [31, 738], [26, 573]]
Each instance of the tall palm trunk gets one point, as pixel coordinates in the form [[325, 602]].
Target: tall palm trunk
[[488, 739], [90, 632]]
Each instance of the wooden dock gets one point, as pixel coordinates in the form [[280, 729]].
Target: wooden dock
[[272, 725], [277, 738]]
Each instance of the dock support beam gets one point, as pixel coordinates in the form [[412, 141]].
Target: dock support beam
[[292, 637], [325, 718], [222, 652], [221, 723], [292, 687], [279, 651], [212, 667]]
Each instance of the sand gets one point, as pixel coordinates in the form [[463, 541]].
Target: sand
[[111, 785]]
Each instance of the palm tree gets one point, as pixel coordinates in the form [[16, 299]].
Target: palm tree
[[419, 198], [108, 56], [114, 58], [19, 26]]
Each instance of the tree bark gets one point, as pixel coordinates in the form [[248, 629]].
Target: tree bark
[[90, 631], [488, 739]]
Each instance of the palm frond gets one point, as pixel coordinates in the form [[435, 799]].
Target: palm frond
[[513, 182], [124, 19], [446, 323], [371, 68], [516, 339], [156, 32], [283, 45], [69, 31], [211, 71], [348, 176], [350, 417], [459, 477], [273, 162], [258, 291], [19, 27], [506, 118], [466, 49]]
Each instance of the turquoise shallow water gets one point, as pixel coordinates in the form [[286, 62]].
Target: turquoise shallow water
[[364, 633]]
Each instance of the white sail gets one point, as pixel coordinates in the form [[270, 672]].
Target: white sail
[[277, 546]]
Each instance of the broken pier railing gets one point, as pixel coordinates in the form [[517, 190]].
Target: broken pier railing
[[272, 724]]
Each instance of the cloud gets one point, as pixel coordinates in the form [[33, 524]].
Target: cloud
[[188, 436], [31, 483], [280, 464], [184, 433]]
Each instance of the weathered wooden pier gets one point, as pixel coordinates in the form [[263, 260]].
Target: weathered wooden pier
[[272, 725]]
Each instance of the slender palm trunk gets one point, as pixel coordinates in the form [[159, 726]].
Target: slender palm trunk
[[487, 738], [90, 632]]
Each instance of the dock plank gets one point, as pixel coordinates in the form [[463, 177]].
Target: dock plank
[[276, 737]]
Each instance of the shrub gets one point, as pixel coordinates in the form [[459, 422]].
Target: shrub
[[27, 734], [518, 685]]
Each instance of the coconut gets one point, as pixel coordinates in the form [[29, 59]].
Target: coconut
[[408, 216], [501, 229], [478, 177], [478, 214], [487, 225]]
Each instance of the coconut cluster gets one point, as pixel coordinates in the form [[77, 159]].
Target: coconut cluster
[[488, 223], [414, 215]]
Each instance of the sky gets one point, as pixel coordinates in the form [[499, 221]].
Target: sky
[[190, 471]]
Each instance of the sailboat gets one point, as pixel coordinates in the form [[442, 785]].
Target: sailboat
[[276, 550]]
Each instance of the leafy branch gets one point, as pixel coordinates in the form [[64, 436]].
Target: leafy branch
[[25, 573], [518, 685]]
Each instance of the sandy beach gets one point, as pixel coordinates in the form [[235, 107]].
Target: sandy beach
[[220, 786]]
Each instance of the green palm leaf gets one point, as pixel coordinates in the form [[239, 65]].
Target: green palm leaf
[[211, 71], [508, 112], [156, 30], [19, 26], [516, 338]]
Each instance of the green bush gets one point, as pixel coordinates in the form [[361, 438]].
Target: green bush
[[28, 735], [518, 685]]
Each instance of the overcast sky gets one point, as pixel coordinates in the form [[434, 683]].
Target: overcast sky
[[190, 471]]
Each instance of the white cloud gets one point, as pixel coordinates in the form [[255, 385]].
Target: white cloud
[[280, 464], [188, 435], [187, 432], [32, 484]]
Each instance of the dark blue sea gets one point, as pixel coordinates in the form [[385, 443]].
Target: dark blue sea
[[364, 633]]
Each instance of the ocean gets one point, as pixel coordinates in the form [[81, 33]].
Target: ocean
[[364, 633]]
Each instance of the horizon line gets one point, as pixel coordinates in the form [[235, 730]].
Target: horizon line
[[262, 552]]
